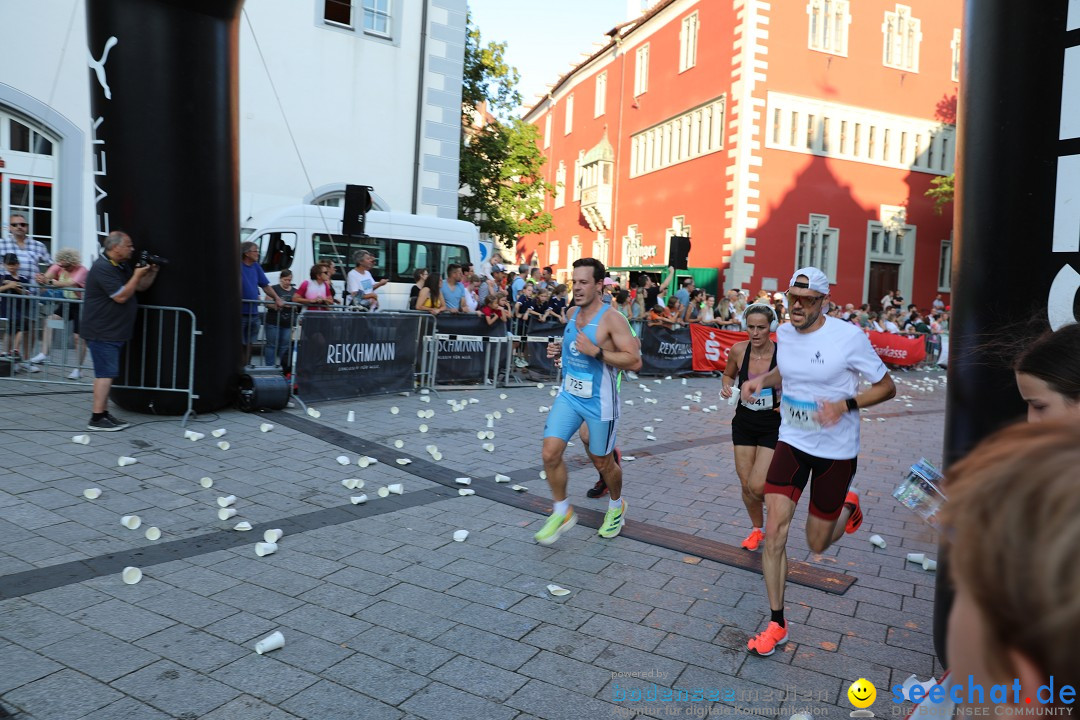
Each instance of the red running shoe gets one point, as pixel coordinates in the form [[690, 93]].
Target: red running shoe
[[855, 520], [765, 642]]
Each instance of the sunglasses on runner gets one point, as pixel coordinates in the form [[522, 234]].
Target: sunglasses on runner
[[804, 300]]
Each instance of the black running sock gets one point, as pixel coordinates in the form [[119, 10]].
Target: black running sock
[[778, 618], [97, 416]]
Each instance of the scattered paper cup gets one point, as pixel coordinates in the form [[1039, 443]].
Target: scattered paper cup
[[423, 428], [383, 492], [220, 432], [351, 417], [502, 396], [519, 488], [394, 411], [473, 401], [490, 447], [629, 402], [540, 386], [491, 422], [124, 461], [273, 536], [490, 434], [396, 488], [365, 460], [510, 410], [463, 481], [421, 414], [557, 591], [242, 526], [350, 483], [543, 474], [499, 478], [153, 533], [629, 458], [265, 548], [342, 460], [399, 444], [916, 558], [131, 522], [403, 461], [273, 641], [81, 439], [226, 513], [313, 412], [465, 492], [358, 499], [131, 575], [929, 565], [424, 391], [206, 482], [425, 399], [877, 541], [650, 437], [193, 436], [226, 500], [436, 456], [648, 428], [480, 435], [224, 445], [460, 535], [266, 427], [92, 493]]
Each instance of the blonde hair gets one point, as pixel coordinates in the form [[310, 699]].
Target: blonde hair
[[68, 255], [1013, 515]]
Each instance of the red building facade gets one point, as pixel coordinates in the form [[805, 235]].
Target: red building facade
[[775, 135]]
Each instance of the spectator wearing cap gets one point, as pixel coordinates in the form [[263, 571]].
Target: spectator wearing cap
[[519, 282], [609, 286], [493, 283]]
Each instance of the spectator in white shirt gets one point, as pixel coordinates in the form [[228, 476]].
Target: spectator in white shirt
[[361, 285]]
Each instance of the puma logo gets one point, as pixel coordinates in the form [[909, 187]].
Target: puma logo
[[98, 66]]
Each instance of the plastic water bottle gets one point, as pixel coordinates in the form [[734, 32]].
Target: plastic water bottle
[[921, 492]]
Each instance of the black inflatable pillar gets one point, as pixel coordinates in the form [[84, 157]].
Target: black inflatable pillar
[[1017, 244], [164, 98]]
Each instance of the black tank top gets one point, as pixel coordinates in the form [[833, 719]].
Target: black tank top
[[744, 374]]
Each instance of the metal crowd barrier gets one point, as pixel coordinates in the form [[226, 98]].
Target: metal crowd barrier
[[39, 343], [526, 365]]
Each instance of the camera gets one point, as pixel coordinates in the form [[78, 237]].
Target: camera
[[148, 258]]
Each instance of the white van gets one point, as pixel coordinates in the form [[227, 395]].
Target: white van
[[298, 236]]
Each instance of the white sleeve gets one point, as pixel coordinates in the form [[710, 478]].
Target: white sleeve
[[353, 282], [863, 360]]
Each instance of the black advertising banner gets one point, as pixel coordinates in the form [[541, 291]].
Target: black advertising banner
[[345, 355], [665, 351], [463, 360], [536, 353]]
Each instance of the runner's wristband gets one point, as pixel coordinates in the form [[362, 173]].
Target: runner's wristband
[[852, 404]]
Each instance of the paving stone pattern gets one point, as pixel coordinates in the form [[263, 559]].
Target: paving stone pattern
[[385, 616]]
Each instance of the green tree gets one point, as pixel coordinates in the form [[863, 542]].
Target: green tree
[[501, 164], [941, 191]]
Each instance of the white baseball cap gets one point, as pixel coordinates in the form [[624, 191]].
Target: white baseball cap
[[817, 281]]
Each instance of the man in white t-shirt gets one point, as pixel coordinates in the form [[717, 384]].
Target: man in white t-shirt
[[361, 285], [820, 361]]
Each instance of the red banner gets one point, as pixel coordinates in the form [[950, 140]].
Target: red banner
[[898, 349], [711, 347]]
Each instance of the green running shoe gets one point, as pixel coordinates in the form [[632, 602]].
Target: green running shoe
[[555, 526], [613, 522]]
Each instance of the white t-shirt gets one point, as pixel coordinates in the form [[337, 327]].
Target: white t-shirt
[[824, 365], [363, 283]]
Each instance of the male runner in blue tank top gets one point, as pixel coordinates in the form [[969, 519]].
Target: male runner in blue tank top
[[597, 344]]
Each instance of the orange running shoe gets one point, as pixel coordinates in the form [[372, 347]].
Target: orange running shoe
[[754, 539], [764, 643], [855, 520]]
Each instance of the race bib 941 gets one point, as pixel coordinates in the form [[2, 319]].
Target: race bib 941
[[762, 401], [801, 414], [578, 386]]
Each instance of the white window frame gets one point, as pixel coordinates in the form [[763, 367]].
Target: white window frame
[[945, 260], [894, 227], [568, 122], [902, 35], [576, 180], [600, 100], [822, 245], [370, 9], [553, 253], [688, 42], [560, 185], [955, 45], [827, 26], [547, 129], [334, 23], [573, 251], [601, 248], [690, 135], [641, 70]]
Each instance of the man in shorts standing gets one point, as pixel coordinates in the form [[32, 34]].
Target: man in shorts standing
[[820, 361], [597, 344], [108, 318]]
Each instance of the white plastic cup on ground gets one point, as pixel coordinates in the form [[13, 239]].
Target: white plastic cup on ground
[[266, 427], [124, 461], [206, 482], [226, 501], [916, 558], [92, 493], [273, 641], [242, 526], [153, 533], [465, 492], [226, 513], [265, 548], [929, 565], [383, 492], [463, 481], [500, 478], [460, 535], [220, 432], [342, 460], [272, 536], [358, 499], [131, 522], [399, 444], [877, 541], [81, 439], [223, 445], [131, 575], [351, 417], [396, 488]]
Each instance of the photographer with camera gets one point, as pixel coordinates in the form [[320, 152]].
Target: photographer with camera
[[108, 316]]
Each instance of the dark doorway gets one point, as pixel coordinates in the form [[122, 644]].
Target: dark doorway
[[884, 278]]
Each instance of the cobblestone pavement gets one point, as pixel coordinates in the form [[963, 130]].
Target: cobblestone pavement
[[384, 615]]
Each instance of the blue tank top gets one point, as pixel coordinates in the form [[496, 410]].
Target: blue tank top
[[587, 382]]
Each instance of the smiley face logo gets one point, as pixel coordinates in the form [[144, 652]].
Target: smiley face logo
[[862, 693]]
